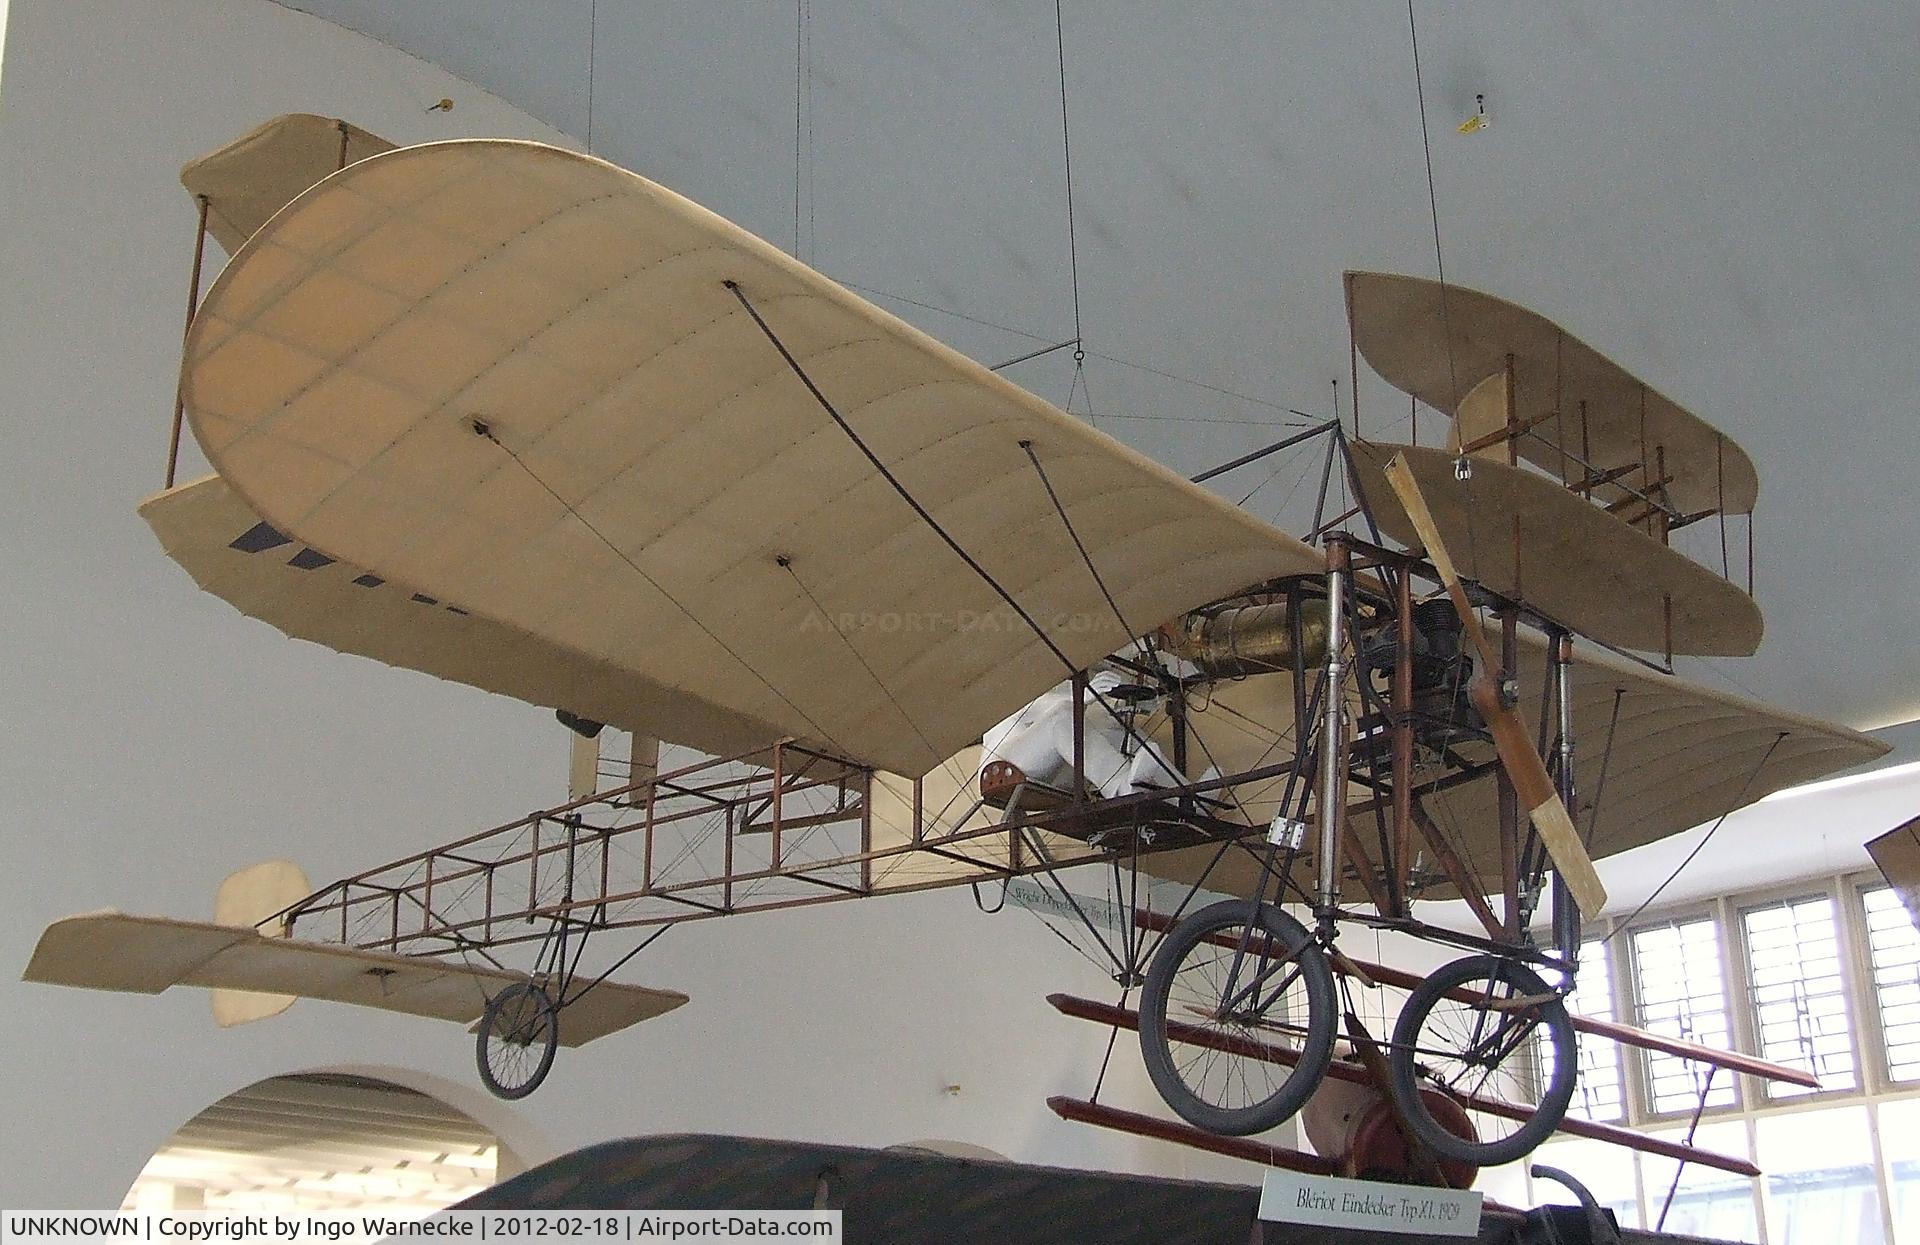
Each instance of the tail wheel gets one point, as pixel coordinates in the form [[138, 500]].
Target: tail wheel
[[1237, 1018], [1491, 1035], [519, 1033]]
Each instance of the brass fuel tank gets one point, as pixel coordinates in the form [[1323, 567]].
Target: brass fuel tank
[[1249, 639]]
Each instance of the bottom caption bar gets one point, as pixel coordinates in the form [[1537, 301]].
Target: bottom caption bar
[[67, 1227]]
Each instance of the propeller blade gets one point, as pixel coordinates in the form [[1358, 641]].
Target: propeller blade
[[1518, 757]]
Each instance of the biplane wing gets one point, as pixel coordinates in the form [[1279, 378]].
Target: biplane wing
[[530, 382], [146, 955], [1583, 414], [1524, 536], [246, 181]]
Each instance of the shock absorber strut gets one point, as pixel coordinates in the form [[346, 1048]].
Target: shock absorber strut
[[1333, 752]]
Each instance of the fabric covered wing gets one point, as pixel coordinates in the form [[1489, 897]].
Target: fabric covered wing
[[1521, 534], [249, 179], [656, 490], [234, 555], [1437, 343], [1678, 755]]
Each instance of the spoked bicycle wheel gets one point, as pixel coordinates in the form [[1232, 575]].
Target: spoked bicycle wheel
[[1237, 1017], [518, 1035], [1490, 1034]]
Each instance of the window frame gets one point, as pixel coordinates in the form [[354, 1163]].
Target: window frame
[[1880, 1065], [1873, 1085], [1642, 1113], [1847, 953]]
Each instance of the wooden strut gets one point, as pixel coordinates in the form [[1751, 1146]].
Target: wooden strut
[[1513, 429], [1509, 435], [1370, 877], [1354, 1073], [1662, 517], [1586, 452], [1457, 872], [1102, 1116], [193, 305], [1651, 507], [1592, 480]]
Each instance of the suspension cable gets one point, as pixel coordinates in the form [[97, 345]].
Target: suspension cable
[[1066, 149]]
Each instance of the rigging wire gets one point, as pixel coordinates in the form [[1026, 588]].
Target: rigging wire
[[1199, 384], [1086, 390], [482, 430], [1433, 204], [813, 244], [1135, 365], [1046, 639], [803, 178], [1461, 467], [593, 39], [1739, 802], [1606, 762], [1305, 469], [1066, 150], [913, 503], [799, 85], [1061, 509]]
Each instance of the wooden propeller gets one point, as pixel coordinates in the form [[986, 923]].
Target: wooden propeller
[[1518, 756]]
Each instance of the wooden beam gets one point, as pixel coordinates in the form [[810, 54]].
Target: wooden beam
[[1156, 1129], [1457, 872], [1345, 1070]]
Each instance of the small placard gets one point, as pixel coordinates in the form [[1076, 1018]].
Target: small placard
[[1331, 1202], [1034, 895]]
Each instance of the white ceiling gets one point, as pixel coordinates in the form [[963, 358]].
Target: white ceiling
[[1721, 196]]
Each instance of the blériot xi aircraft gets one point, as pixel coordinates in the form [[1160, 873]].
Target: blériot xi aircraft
[[517, 418]]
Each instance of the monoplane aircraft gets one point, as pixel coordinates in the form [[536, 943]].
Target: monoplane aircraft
[[515, 417]]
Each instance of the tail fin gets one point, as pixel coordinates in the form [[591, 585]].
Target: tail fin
[[254, 897]]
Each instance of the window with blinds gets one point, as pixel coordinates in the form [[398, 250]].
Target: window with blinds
[[1798, 994], [1598, 1093], [1893, 953], [1682, 993]]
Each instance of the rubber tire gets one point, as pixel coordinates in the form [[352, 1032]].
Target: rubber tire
[[491, 1016], [1405, 1071], [1316, 1049]]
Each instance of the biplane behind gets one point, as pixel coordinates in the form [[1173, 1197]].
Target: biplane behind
[[514, 417]]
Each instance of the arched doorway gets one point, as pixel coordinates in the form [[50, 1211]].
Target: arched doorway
[[320, 1141]]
